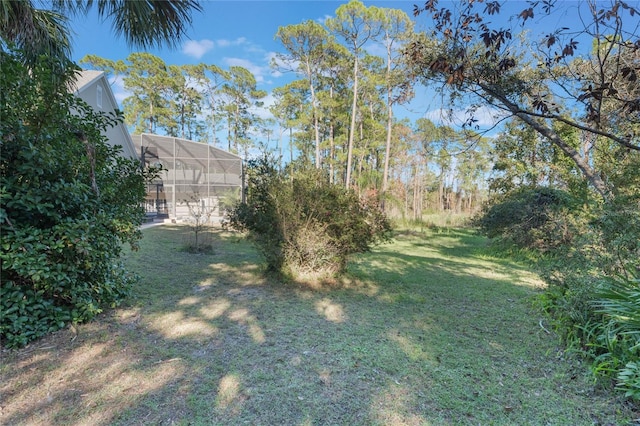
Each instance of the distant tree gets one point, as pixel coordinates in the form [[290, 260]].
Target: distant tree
[[186, 102], [286, 109], [371, 117], [165, 98], [210, 79], [111, 68], [357, 25], [147, 78], [472, 166], [521, 158], [239, 96], [333, 110], [397, 30], [305, 45]]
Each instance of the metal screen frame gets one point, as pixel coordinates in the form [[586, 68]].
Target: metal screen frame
[[192, 171]]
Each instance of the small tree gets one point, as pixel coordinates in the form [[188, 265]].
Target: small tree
[[303, 225], [199, 223]]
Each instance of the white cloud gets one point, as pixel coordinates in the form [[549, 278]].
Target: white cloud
[[376, 49], [257, 71], [117, 87], [263, 111], [226, 43], [280, 64], [323, 19], [120, 96], [197, 48], [260, 72]]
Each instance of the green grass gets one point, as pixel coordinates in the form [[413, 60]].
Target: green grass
[[426, 330]]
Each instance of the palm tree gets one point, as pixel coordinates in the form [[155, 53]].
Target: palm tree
[[143, 23], [34, 31]]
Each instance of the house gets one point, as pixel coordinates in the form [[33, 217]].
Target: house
[[94, 88]]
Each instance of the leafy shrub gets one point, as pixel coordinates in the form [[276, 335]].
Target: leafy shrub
[[594, 295], [614, 236], [304, 225], [617, 342], [629, 380], [228, 199], [25, 314], [68, 203], [589, 254], [259, 214], [535, 218]]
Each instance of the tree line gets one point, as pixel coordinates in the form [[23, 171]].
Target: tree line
[[338, 115]]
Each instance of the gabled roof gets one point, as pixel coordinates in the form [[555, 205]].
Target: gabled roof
[[85, 78]]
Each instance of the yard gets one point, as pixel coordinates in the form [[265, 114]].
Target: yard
[[426, 330]]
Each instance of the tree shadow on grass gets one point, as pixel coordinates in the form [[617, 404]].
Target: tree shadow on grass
[[422, 334]]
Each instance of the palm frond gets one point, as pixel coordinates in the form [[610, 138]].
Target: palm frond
[[620, 303], [35, 32], [149, 23]]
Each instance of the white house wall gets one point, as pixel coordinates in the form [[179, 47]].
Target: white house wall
[[89, 84]]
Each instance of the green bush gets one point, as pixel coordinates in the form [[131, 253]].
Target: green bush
[[589, 254], [304, 225], [68, 203], [259, 214], [615, 236], [617, 341], [629, 380], [535, 218], [25, 314], [594, 295]]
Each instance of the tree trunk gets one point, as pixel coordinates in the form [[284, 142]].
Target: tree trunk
[[387, 152], [331, 141], [352, 129], [314, 106]]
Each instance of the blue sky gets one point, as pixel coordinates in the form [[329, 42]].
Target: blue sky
[[241, 33], [230, 33], [226, 33]]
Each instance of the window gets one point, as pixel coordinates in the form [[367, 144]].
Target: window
[[99, 96]]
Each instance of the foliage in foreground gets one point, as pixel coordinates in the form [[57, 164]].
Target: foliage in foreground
[[617, 345], [69, 202], [590, 258], [305, 225]]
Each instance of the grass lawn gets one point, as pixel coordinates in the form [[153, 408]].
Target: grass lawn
[[425, 330]]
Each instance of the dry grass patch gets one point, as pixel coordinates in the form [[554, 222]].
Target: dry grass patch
[[426, 330]]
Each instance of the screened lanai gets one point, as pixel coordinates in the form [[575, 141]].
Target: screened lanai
[[193, 172]]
